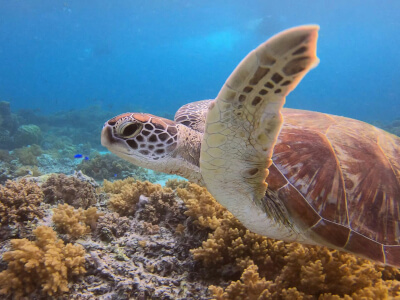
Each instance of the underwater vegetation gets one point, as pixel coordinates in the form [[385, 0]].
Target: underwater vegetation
[[141, 240]]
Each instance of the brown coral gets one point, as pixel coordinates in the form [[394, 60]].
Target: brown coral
[[111, 226], [160, 206], [75, 222], [202, 206], [60, 188], [20, 202], [289, 270], [46, 263], [125, 194]]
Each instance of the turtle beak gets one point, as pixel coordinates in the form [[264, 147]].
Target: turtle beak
[[111, 142], [106, 136]]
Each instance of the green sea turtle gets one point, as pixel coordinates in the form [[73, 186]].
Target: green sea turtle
[[284, 173]]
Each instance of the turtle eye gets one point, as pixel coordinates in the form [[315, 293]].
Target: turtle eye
[[129, 130]]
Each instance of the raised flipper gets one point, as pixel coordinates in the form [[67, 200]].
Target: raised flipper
[[244, 121]]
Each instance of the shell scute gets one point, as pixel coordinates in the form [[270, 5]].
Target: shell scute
[[363, 246], [371, 184], [347, 172], [300, 210], [332, 233], [307, 160]]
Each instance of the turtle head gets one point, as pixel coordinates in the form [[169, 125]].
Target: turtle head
[[140, 138], [147, 141]]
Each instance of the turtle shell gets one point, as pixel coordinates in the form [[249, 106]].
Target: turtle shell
[[339, 179]]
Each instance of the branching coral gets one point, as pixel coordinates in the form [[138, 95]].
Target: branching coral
[[289, 270], [125, 194], [75, 222], [46, 263], [176, 183], [20, 202], [202, 206], [68, 189]]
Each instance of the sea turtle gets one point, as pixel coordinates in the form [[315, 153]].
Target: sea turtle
[[287, 174]]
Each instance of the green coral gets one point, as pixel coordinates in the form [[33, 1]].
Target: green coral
[[27, 135]]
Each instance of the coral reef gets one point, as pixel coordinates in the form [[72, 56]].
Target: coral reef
[[5, 156], [176, 183], [201, 206], [28, 155], [157, 245], [158, 207], [7, 171], [27, 135], [8, 125], [111, 226], [393, 127], [313, 280], [53, 163], [73, 222], [60, 188], [127, 193], [285, 270], [31, 171], [107, 166], [19, 204], [46, 263]]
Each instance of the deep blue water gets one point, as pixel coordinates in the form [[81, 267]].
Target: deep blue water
[[158, 55]]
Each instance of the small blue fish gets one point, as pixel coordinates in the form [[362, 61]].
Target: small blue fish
[[78, 155], [115, 175], [86, 157]]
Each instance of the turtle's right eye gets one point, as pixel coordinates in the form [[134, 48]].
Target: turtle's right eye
[[128, 130]]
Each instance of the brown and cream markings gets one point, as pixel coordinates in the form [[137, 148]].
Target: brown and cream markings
[[284, 173]]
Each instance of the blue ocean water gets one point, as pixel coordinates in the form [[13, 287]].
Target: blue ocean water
[[155, 56]]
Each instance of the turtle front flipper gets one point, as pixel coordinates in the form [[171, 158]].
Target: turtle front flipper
[[244, 121]]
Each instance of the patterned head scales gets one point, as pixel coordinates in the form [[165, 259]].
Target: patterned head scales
[[141, 136]]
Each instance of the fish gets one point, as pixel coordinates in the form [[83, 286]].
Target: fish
[[78, 156], [86, 157]]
